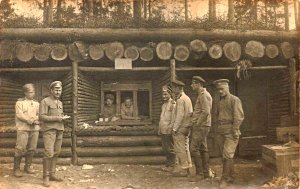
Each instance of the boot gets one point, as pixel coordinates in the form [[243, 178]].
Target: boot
[[230, 178], [205, 164], [198, 164], [225, 175], [28, 160], [17, 162], [46, 173], [53, 177]]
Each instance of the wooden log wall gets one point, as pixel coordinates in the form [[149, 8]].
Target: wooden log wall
[[10, 92], [88, 100], [157, 94], [164, 50], [278, 101]]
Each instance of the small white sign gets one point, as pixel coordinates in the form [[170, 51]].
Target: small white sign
[[123, 64]]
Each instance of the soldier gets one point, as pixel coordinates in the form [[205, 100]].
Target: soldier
[[229, 117], [51, 117], [127, 110], [109, 109], [27, 110], [201, 123], [165, 126], [181, 128]]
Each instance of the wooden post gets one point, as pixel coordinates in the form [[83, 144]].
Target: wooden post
[[230, 11], [173, 70], [212, 10], [186, 10], [50, 13], [286, 15], [293, 100], [296, 4], [75, 111]]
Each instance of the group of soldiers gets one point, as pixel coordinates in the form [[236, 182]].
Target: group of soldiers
[[29, 116], [184, 130]]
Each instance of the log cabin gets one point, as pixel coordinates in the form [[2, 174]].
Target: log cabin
[[261, 67]]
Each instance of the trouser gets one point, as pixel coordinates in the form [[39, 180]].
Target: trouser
[[26, 143], [182, 151], [227, 145], [168, 147], [199, 150], [52, 142]]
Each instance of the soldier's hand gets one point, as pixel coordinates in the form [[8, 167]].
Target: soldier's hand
[[30, 121], [36, 122], [235, 133], [66, 117]]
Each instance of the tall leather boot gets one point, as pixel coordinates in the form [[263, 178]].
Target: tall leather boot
[[17, 162], [205, 164], [28, 160], [53, 177], [198, 167], [230, 178], [225, 174], [46, 171]]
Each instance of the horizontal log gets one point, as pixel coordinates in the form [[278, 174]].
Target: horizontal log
[[198, 46], [42, 52], [41, 69], [7, 116], [11, 142], [7, 111], [156, 160], [96, 51], [114, 50], [233, 51], [24, 52], [119, 151], [272, 51], [7, 119], [215, 51], [146, 54], [287, 50], [181, 53], [255, 49], [65, 152], [113, 141], [37, 160], [132, 52], [164, 50], [142, 34], [86, 132]]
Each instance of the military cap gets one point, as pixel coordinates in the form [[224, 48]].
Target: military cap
[[198, 79], [166, 88], [55, 84], [110, 96], [29, 87], [178, 83], [221, 82]]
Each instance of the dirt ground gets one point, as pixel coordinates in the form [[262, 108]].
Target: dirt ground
[[248, 175]]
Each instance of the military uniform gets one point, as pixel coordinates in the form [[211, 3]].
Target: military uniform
[[181, 129], [201, 120], [26, 120], [229, 117], [51, 114], [165, 129]]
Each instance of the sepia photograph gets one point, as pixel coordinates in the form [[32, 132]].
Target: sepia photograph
[[149, 94]]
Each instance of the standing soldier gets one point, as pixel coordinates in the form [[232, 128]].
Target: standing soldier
[[201, 123], [229, 117], [51, 117], [27, 110], [165, 126], [181, 128]]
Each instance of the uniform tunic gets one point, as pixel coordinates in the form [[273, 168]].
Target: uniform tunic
[[26, 110], [27, 135], [109, 111], [202, 110], [182, 118], [50, 112], [165, 124], [229, 116]]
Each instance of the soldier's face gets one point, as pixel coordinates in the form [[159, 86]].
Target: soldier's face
[[176, 89], [30, 94], [166, 96], [56, 92], [128, 103], [109, 102], [194, 86], [223, 90]]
